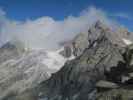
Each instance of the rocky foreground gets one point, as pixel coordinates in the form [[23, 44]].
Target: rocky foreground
[[102, 70]]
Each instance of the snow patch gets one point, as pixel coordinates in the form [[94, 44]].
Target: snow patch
[[127, 42], [54, 60]]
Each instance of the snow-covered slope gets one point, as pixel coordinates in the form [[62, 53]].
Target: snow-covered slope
[[28, 70]]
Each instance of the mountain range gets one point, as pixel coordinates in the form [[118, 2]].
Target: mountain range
[[97, 65]]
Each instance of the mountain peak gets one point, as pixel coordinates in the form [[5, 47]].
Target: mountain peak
[[116, 36], [8, 45], [100, 25]]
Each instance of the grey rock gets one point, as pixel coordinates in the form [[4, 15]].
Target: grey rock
[[79, 77], [67, 52], [106, 84], [76, 46], [114, 35], [124, 79], [80, 43], [116, 94]]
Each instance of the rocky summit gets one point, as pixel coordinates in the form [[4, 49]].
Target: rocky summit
[[102, 70]]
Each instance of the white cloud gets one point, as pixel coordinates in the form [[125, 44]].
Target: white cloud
[[47, 33], [122, 15]]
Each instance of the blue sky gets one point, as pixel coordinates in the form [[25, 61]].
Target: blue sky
[[59, 9], [21, 9]]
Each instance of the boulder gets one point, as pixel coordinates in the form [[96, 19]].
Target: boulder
[[106, 84]]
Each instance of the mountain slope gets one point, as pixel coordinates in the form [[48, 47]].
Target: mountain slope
[[77, 79], [102, 66], [20, 71]]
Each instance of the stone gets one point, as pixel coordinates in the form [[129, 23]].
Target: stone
[[106, 84]]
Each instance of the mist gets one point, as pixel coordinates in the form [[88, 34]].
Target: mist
[[45, 32]]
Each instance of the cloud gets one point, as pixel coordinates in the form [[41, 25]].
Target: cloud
[[122, 15], [47, 33]]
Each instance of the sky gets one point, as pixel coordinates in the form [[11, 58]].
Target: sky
[[59, 9], [22, 9], [39, 19]]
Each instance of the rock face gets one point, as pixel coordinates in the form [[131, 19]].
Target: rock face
[[80, 43], [66, 52], [76, 46], [102, 70], [77, 79]]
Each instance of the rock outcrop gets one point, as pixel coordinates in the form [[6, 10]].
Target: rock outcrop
[[76, 46]]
